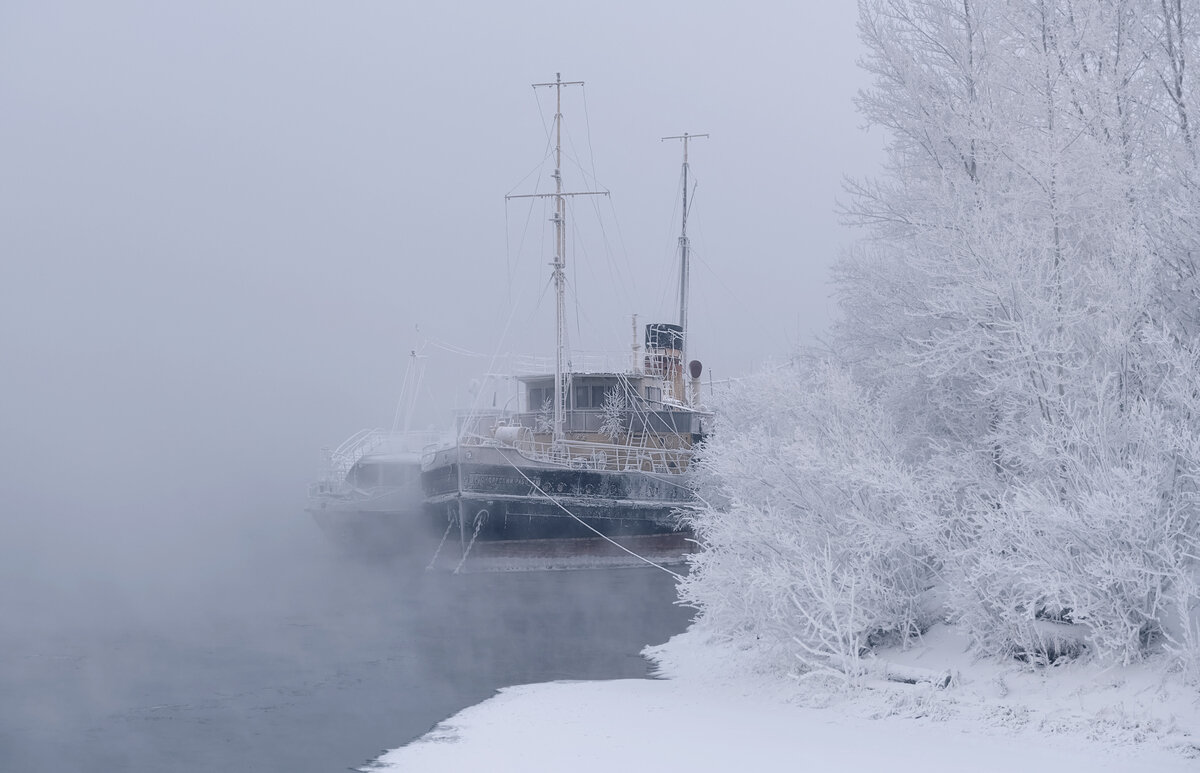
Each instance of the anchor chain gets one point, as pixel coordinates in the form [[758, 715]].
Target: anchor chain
[[480, 517], [436, 553]]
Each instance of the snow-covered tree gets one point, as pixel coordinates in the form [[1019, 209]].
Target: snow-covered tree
[[1022, 317], [545, 416], [809, 536], [615, 412]]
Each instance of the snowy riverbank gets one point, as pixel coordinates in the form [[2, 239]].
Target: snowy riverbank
[[712, 714]]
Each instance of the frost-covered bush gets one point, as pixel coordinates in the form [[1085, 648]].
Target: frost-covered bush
[[810, 555], [1022, 256], [1087, 554], [1014, 412]]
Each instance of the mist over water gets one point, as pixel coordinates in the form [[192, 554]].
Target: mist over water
[[266, 650], [166, 603]]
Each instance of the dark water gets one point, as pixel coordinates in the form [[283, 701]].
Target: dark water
[[290, 667]]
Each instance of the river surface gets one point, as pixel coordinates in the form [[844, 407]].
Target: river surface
[[313, 665]]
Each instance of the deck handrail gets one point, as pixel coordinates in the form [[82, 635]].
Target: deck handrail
[[591, 455]]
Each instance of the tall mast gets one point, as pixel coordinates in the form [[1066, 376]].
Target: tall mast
[[560, 255], [683, 246]]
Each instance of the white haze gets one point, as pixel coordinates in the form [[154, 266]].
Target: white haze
[[222, 223]]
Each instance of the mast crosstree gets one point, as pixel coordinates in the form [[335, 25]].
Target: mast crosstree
[[560, 252]]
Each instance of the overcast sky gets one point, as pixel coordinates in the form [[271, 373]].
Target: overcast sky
[[223, 222]]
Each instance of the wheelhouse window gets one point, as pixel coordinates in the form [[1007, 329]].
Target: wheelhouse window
[[590, 396], [538, 397], [586, 396]]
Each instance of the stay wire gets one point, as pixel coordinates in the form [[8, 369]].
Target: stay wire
[[587, 525], [620, 276]]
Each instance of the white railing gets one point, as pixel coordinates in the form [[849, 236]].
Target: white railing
[[339, 461], [590, 455]]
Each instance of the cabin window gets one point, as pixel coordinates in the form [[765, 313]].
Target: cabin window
[[654, 394], [583, 397], [600, 394], [536, 398]]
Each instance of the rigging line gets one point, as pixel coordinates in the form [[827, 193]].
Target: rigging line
[[538, 303], [573, 155], [587, 525], [453, 349], [529, 213], [521, 244], [418, 354], [673, 285], [624, 250], [692, 195], [542, 116], [541, 297], [622, 280], [614, 271], [512, 313], [639, 407], [575, 268], [642, 410], [587, 122], [580, 247], [508, 272], [570, 287], [405, 386], [479, 398], [583, 263], [542, 245], [536, 168]]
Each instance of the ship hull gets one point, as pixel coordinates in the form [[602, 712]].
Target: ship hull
[[496, 493]]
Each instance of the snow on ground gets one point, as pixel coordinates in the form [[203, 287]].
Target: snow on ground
[[716, 713]]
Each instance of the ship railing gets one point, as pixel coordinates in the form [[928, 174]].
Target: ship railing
[[339, 461], [591, 455]]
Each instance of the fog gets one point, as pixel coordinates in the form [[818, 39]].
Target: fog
[[223, 225]]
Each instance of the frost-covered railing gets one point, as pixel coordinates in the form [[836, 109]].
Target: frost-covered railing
[[339, 461], [589, 455]]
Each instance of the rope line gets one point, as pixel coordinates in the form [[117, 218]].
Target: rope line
[[587, 525]]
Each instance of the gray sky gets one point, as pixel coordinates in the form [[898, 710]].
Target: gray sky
[[222, 222]]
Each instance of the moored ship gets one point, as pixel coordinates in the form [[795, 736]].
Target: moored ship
[[591, 454], [614, 464]]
